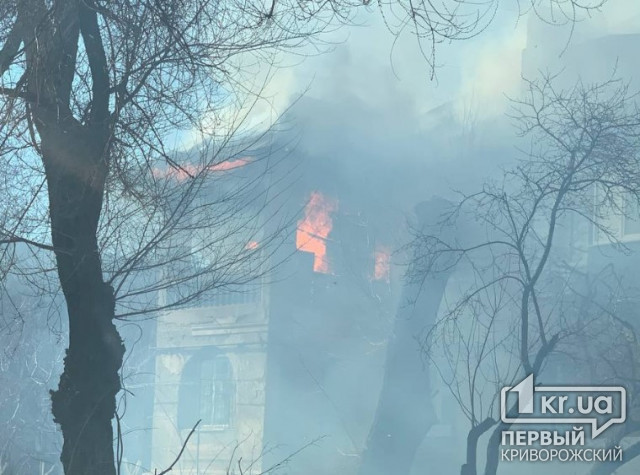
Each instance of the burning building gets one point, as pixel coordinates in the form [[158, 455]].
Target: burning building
[[280, 362]]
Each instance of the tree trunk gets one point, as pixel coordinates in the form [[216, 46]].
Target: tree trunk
[[84, 404], [471, 465], [405, 412], [75, 155], [493, 450]]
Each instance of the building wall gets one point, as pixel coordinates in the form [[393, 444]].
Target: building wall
[[185, 337]]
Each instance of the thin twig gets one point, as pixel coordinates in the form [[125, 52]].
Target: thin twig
[[184, 446]]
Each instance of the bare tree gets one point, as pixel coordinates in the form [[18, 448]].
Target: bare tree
[[93, 93], [519, 295]]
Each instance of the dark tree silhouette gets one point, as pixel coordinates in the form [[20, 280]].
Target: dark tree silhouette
[[525, 295]]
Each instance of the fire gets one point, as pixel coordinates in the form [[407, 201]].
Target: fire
[[188, 170], [228, 165], [314, 229], [382, 263]]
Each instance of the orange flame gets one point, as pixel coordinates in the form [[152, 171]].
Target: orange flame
[[188, 170], [314, 229], [382, 263], [228, 165]]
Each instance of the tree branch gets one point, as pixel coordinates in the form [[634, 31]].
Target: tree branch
[[11, 46], [17, 239], [184, 446]]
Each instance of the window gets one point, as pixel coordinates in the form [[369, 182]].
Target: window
[[207, 390], [617, 216], [606, 215], [216, 391], [631, 218]]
